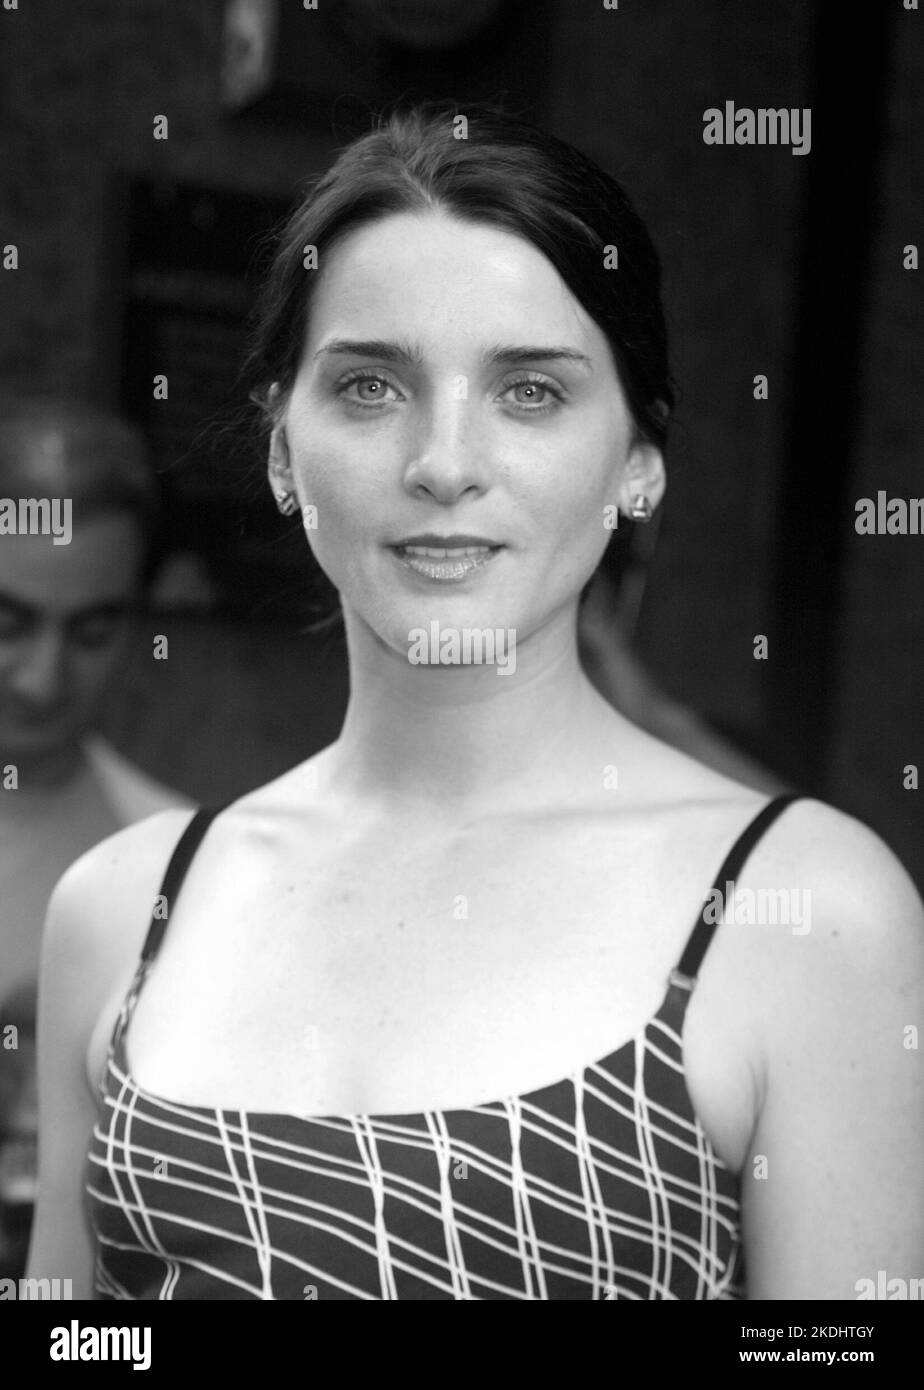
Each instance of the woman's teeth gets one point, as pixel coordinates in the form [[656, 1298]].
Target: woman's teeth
[[444, 554]]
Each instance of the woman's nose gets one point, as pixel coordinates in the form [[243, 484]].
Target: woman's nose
[[449, 453]]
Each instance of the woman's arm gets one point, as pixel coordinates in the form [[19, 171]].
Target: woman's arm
[[68, 1004], [94, 931], [832, 1190]]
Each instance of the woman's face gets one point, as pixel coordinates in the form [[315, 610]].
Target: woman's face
[[451, 385]]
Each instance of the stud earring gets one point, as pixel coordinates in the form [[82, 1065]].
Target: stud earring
[[641, 509], [287, 503]]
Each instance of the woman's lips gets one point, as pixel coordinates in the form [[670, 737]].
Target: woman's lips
[[445, 564]]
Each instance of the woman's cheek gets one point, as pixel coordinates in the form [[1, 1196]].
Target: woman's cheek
[[335, 522]]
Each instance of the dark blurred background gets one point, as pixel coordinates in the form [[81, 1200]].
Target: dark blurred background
[[137, 256]]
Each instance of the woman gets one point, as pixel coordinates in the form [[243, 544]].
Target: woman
[[407, 1022]]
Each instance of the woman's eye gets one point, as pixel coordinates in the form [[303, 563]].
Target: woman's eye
[[534, 396], [371, 390]]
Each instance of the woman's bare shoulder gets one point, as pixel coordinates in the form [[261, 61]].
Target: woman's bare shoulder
[[107, 895], [124, 857], [833, 922], [847, 870], [852, 874]]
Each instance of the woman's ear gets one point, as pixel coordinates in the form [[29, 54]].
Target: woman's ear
[[643, 475], [280, 473], [279, 469]]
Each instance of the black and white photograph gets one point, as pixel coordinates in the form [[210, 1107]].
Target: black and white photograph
[[461, 664]]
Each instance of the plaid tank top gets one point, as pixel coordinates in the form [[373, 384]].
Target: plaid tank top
[[602, 1185]]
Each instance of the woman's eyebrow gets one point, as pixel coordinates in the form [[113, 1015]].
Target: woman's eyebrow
[[412, 355], [373, 347], [510, 353]]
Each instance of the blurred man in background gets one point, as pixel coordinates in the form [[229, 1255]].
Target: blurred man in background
[[66, 610]]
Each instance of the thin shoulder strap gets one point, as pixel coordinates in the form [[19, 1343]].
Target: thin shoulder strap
[[687, 970], [174, 874], [176, 870]]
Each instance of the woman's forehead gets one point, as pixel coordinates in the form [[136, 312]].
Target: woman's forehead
[[441, 271]]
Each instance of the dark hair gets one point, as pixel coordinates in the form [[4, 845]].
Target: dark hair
[[54, 446], [506, 173]]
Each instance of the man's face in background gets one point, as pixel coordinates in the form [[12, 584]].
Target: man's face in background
[[65, 614]]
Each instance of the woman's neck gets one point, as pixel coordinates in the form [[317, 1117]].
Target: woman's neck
[[446, 743]]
